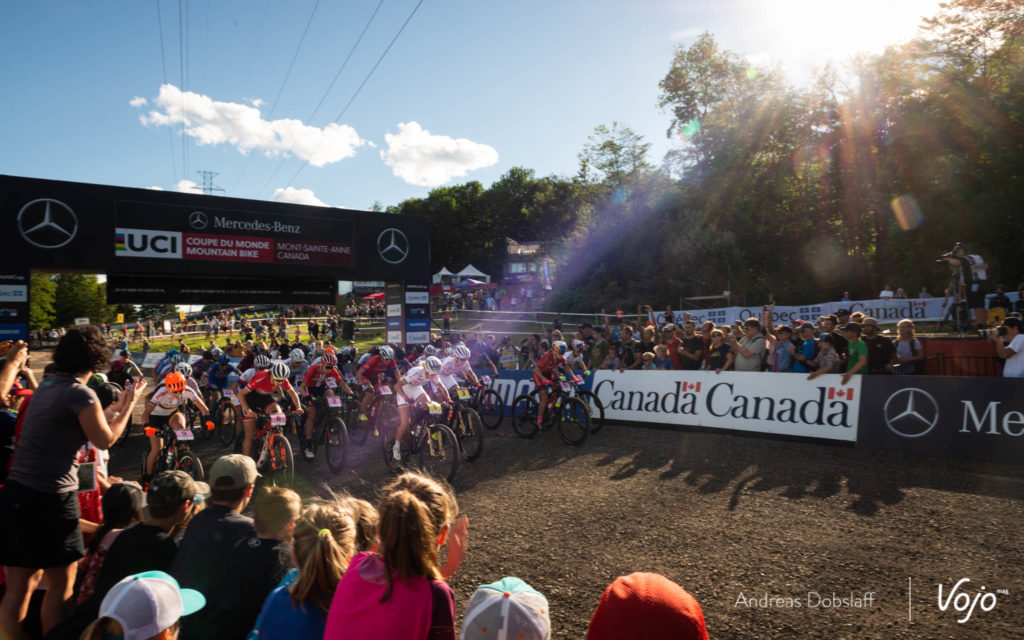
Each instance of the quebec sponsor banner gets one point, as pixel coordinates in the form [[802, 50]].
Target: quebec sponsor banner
[[978, 418], [784, 404]]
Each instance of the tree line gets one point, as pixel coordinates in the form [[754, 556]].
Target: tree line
[[861, 178]]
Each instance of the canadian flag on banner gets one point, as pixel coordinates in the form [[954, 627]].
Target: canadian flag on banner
[[691, 386], [834, 393]]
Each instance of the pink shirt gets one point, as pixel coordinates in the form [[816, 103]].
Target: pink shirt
[[357, 612]]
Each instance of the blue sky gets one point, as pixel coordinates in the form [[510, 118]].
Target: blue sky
[[469, 89]]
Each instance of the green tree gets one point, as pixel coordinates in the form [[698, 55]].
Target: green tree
[[81, 295], [42, 294], [614, 156], [157, 311]]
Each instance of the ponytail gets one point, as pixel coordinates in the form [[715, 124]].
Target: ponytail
[[100, 628], [408, 538], [324, 541]]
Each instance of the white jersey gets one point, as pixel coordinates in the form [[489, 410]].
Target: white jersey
[[167, 402], [247, 376], [573, 358], [363, 358], [416, 377], [451, 367]]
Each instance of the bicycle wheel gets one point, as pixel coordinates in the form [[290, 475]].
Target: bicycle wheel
[[596, 409], [195, 420], [282, 462], [387, 442], [439, 452], [336, 443], [573, 419], [190, 464], [357, 429], [524, 416], [226, 417], [145, 454], [491, 408], [469, 430]]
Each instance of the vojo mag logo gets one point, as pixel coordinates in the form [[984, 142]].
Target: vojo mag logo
[[911, 412], [47, 223], [392, 245]]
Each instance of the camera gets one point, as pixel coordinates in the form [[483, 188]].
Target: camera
[[988, 333]]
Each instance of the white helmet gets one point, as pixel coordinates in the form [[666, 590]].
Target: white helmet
[[262, 361], [280, 371], [461, 352], [184, 369], [386, 353], [429, 350], [432, 365], [298, 355]]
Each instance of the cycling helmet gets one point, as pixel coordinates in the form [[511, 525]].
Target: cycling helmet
[[432, 365], [447, 352], [261, 361], [328, 359], [280, 371], [216, 351], [298, 355], [224, 358], [175, 382], [176, 358], [331, 350], [429, 350], [184, 369], [348, 352], [171, 353], [461, 352], [387, 353], [125, 353], [559, 346], [98, 379], [577, 344]]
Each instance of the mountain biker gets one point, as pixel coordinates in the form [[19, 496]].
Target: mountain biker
[[409, 389], [298, 364], [457, 366], [543, 373], [163, 409], [259, 395], [313, 385], [166, 365], [369, 373]]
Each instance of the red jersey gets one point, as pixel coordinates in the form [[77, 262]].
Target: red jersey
[[264, 384], [375, 366], [316, 376], [550, 361]]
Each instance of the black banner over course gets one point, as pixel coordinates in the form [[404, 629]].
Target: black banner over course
[[118, 230], [979, 418]]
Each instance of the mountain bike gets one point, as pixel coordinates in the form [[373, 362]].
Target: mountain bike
[[383, 412], [275, 452], [329, 431], [487, 403], [571, 414], [225, 416], [467, 425], [434, 444], [176, 452]]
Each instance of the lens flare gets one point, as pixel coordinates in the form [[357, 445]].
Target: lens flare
[[752, 73], [620, 195], [691, 128], [907, 213]]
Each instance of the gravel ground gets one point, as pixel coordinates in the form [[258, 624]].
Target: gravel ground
[[729, 517]]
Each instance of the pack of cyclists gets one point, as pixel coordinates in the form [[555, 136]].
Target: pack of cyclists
[[294, 381]]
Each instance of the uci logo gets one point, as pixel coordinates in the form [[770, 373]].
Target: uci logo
[[147, 243]]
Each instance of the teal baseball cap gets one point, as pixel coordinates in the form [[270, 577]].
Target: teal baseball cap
[[508, 608]]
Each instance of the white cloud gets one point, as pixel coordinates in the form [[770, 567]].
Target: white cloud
[[213, 122], [137, 101], [420, 158], [187, 186], [155, 188], [689, 32], [297, 196], [256, 102]]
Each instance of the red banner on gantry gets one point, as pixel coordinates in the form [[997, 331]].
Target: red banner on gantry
[[199, 246]]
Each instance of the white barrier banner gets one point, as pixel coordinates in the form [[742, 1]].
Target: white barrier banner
[[884, 310], [778, 403]]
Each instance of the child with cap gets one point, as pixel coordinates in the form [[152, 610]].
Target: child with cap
[[215, 530], [647, 606], [145, 606], [251, 570], [508, 609]]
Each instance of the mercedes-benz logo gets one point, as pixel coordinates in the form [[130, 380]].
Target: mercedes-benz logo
[[47, 223], [392, 245], [911, 412], [198, 220]]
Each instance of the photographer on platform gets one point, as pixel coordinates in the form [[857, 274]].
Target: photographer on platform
[[1013, 353], [972, 273]]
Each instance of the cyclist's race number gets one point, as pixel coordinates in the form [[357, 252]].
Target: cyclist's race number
[[278, 419], [183, 434]]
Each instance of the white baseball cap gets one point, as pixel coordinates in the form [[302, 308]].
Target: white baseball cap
[[147, 603]]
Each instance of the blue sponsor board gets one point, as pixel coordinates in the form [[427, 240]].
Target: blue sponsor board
[[394, 324], [417, 324], [514, 382], [13, 331]]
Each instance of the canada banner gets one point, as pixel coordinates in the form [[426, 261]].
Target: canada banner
[[782, 404]]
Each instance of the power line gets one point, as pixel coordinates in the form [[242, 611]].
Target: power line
[[362, 84], [181, 62], [163, 64], [295, 56], [337, 75]]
